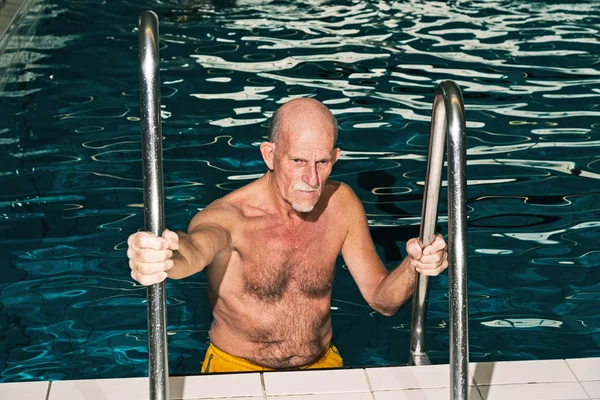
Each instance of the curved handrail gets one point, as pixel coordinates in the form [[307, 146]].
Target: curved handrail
[[154, 221], [448, 118]]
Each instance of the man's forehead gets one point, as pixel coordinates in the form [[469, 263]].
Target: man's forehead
[[308, 131], [309, 149], [308, 136]]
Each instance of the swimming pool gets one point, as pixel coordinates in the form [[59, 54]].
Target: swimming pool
[[71, 172]]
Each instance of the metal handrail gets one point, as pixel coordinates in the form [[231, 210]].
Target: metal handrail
[[448, 118], [154, 221]]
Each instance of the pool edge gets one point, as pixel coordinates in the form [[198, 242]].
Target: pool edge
[[573, 378]]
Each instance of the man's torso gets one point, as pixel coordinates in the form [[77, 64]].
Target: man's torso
[[271, 295]]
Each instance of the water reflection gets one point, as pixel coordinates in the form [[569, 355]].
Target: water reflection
[[71, 169]]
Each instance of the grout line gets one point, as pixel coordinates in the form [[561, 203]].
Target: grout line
[[523, 383], [578, 381], [48, 392], [369, 384], [475, 384], [262, 385]]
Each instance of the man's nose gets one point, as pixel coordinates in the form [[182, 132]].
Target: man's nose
[[311, 177]]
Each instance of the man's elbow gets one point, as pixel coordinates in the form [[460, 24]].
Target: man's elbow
[[388, 313], [383, 310], [382, 302]]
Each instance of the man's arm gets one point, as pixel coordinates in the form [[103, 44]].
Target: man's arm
[[178, 255], [197, 248], [384, 290]]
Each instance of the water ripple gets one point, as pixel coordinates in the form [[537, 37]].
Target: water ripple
[[72, 178]]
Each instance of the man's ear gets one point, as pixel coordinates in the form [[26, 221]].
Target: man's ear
[[267, 149], [336, 154]]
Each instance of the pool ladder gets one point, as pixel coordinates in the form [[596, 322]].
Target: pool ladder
[[448, 119], [154, 219]]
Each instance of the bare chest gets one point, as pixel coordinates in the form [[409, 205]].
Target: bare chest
[[282, 263]]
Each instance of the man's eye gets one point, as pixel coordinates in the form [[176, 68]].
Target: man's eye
[[296, 160], [323, 162]]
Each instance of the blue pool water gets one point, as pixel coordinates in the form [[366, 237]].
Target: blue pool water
[[70, 167]]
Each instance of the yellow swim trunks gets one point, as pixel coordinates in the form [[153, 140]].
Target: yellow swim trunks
[[216, 360]]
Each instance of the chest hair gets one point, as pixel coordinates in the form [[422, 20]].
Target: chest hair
[[286, 266]]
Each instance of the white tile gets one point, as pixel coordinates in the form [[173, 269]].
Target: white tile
[[586, 369], [24, 390], [522, 372], [538, 391], [232, 398], [421, 377], [330, 396], [221, 385], [315, 382], [423, 394], [592, 388], [189, 387], [100, 389]]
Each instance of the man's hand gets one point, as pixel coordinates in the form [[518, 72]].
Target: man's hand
[[150, 256], [428, 260]]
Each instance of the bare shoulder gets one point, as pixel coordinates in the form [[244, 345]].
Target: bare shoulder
[[229, 211], [222, 212], [342, 196]]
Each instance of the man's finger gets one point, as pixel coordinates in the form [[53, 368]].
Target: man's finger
[[153, 268], [435, 258], [152, 256], [431, 262], [436, 245], [131, 253], [172, 239], [429, 270], [146, 240], [148, 280], [150, 241]]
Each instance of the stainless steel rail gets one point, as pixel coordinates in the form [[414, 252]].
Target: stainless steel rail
[[154, 220], [448, 118]]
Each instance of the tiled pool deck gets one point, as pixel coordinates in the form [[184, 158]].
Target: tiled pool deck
[[512, 380]]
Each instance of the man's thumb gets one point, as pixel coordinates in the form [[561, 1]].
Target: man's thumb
[[414, 249], [172, 239]]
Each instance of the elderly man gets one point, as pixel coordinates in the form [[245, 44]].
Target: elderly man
[[270, 248]]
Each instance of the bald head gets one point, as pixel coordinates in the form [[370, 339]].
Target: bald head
[[301, 111]]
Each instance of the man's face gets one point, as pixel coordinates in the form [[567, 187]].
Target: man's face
[[303, 161]]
